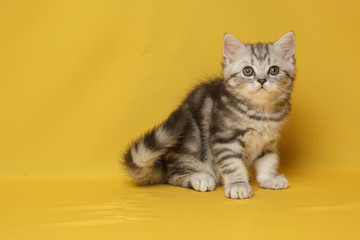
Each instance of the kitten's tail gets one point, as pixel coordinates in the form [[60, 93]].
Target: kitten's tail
[[144, 159]]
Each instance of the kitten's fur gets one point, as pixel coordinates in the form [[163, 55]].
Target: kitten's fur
[[224, 125]]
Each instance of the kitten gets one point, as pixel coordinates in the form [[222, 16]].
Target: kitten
[[224, 125]]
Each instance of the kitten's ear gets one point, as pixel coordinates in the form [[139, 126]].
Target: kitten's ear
[[286, 45], [232, 48]]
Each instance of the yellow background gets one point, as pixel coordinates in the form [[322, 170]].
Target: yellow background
[[80, 79]]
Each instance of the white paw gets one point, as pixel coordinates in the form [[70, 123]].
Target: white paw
[[276, 183], [238, 190], [202, 182]]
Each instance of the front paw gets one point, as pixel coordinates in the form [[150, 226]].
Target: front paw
[[276, 182], [241, 190]]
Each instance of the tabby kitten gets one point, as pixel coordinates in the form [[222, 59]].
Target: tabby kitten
[[224, 126]]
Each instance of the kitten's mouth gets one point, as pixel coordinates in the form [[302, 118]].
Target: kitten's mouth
[[262, 89]]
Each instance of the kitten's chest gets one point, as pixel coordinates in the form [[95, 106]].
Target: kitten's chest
[[256, 140]]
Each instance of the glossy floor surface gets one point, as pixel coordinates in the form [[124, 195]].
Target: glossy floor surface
[[318, 205]]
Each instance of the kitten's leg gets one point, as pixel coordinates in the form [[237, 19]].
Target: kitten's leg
[[266, 172], [189, 172], [232, 169]]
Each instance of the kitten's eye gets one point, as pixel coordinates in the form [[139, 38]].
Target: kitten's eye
[[274, 70], [248, 71]]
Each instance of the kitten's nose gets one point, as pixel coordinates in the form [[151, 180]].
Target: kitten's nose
[[262, 81]]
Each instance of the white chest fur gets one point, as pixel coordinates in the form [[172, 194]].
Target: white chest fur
[[263, 133]]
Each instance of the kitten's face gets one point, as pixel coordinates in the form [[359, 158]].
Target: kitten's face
[[259, 73]]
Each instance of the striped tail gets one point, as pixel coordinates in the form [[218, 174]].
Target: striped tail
[[144, 159]]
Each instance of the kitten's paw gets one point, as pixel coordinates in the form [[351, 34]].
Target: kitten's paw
[[240, 190], [202, 182], [276, 183]]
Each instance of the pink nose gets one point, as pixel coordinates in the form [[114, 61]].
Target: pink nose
[[262, 81]]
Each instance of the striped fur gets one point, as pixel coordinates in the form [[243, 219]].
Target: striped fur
[[224, 126]]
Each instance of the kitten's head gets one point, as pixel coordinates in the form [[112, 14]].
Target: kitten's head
[[259, 73]]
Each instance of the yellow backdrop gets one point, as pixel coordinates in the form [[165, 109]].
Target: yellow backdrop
[[80, 79]]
